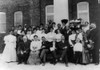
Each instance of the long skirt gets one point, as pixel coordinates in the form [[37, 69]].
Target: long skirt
[[9, 53], [34, 58], [85, 57]]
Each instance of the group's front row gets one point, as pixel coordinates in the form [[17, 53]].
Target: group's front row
[[42, 51]]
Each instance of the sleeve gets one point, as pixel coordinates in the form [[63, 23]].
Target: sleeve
[[31, 46], [15, 39], [5, 39], [80, 36], [70, 42], [54, 36]]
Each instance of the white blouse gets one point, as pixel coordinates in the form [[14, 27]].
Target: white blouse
[[35, 45], [32, 36], [80, 36], [42, 35], [71, 37], [10, 40], [58, 37], [51, 36], [78, 47]]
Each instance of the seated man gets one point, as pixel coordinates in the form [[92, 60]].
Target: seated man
[[44, 50], [23, 50], [62, 48]]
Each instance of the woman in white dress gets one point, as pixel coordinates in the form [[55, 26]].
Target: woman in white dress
[[35, 49], [9, 53]]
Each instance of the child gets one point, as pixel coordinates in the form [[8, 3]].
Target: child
[[78, 51]]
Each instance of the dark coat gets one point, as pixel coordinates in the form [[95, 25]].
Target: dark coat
[[23, 47], [61, 45], [45, 43]]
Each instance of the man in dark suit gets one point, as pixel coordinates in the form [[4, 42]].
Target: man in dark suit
[[44, 50], [23, 50], [62, 49], [94, 36]]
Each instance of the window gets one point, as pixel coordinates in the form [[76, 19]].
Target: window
[[2, 22], [18, 18], [99, 1], [49, 13], [83, 11]]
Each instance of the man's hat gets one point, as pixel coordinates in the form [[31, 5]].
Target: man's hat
[[64, 21]]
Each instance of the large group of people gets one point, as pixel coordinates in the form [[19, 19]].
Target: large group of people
[[70, 41]]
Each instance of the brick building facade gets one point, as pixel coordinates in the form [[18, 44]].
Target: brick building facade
[[34, 11]]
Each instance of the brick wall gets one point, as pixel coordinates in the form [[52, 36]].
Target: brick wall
[[29, 8]]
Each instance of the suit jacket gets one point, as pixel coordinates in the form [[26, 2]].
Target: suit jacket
[[45, 43], [65, 32], [61, 45], [24, 47]]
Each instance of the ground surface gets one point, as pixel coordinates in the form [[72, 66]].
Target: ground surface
[[48, 66]]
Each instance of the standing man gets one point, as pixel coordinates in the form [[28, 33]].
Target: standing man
[[94, 36]]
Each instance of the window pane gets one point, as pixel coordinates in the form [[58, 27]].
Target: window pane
[[84, 16], [83, 10], [2, 22], [82, 6], [49, 13], [18, 18], [50, 9]]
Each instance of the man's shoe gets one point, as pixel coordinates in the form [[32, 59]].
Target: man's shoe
[[66, 65], [25, 62], [43, 64], [19, 62], [96, 63]]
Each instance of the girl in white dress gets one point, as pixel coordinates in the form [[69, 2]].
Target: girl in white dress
[[9, 53]]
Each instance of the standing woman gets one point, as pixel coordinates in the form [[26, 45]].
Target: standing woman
[[9, 53], [58, 39], [35, 47]]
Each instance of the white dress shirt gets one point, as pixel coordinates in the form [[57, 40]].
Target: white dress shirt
[[72, 38]]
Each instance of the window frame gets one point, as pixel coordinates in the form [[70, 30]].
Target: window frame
[[46, 13], [83, 11], [15, 18], [4, 30]]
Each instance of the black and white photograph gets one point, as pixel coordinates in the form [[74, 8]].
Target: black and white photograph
[[49, 34]]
